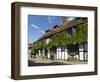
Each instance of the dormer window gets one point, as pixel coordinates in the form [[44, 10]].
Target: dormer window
[[72, 31], [69, 32], [48, 40]]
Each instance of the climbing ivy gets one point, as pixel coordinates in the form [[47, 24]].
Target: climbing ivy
[[82, 33], [37, 45], [59, 39]]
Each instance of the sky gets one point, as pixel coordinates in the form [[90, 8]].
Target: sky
[[37, 25]]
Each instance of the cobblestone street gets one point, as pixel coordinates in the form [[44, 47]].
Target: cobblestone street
[[43, 62]]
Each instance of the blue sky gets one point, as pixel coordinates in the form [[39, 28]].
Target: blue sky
[[37, 25]]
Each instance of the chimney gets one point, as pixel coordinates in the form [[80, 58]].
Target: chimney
[[56, 27], [64, 20], [48, 31]]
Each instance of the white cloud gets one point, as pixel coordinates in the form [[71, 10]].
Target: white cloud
[[49, 19], [38, 28], [35, 26]]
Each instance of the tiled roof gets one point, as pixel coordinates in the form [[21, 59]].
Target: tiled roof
[[61, 28]]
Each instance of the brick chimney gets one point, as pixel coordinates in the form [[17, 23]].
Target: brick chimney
[[48, 31], [56, 27], [64, 20]]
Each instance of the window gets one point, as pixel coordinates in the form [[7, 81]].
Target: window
[[62, 49], [72, 31], [48, 40], [69, 32], [85, 47]]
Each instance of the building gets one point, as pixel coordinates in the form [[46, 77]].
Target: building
[[29, 50], [67, 40]]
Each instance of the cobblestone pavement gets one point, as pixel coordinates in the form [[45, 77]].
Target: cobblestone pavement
[[43, 61]]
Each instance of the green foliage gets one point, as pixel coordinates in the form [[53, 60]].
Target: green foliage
[[82, 33], [59, 39], [37, 45]]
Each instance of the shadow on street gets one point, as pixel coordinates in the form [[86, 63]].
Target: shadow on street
[[32, 63]]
